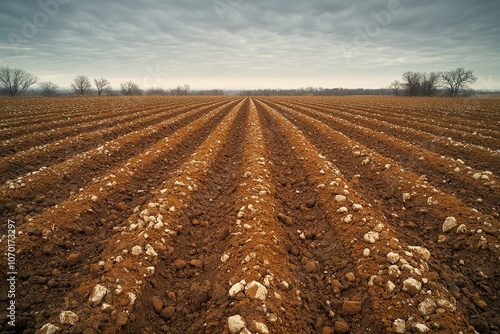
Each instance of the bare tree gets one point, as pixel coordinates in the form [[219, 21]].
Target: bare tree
[[48, 88], [102, 85], [81, 85], [412, 82], [429, 83], [130, 88], [396, 87], [15, 81], [186, 89], [156, 91], [457, 80]]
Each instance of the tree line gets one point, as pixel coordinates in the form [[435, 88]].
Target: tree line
[[14, 82], [454, 83]]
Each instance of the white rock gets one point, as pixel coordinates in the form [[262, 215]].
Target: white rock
[[449, 224], [427, 307], [49, 329], [371, 237], [137, 250], [422, 252], [393, 257], [236, 323], [237, 288], [347, 219], [340, 198], [390, 286], [357, 207], [366, 252], [106, 308], [399, 326], [98, 294], [462, 229], [343, 209], [259, 327], [224, 258], [406, 196], [443, 303], [132, 297], [477, 176], [68, 318], [420, 328], [94, 198], [150, 250], [255, 290], [412, 286]]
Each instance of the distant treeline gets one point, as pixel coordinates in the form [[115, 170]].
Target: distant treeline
[[316, 91]]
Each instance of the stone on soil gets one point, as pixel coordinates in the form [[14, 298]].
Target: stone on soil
[[136, 250], [167, 313], [449, 224], [73, 259], [371, 237], [393, 257], [98, 294], [340, 198], [285, 219], [422, 252], [462, 229], [420, 328], [258, 327], [49, 329], [255, 290], [68, 318], [157, 304], [122, 319], [237, 288], [179, 264], [341, 327], [427, 307], [399, 326], [236, 323], [350, 307], [412, 286]]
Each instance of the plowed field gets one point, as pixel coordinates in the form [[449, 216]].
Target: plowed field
[[250, 215]]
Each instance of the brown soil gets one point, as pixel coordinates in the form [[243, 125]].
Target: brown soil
[[293, 215]]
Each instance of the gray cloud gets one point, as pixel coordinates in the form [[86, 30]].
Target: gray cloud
[[247, 44]]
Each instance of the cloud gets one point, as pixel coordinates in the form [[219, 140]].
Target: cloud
[[247, 44]]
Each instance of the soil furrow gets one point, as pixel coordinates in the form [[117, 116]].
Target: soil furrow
[[71, 120], [425, 211], [186, 281], [56, 152], [440, 125], [476, 156], [38, 192], [449, 174], [14, 145], [87, 220], [372, 291]]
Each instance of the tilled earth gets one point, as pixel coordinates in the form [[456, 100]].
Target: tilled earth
[[251, 215]]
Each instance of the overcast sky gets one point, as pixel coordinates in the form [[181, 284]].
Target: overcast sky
[[244, 44]]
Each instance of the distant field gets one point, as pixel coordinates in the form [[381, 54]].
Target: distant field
[[287, 214]]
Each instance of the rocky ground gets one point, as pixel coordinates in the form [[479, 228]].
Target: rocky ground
[[251, 215]]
